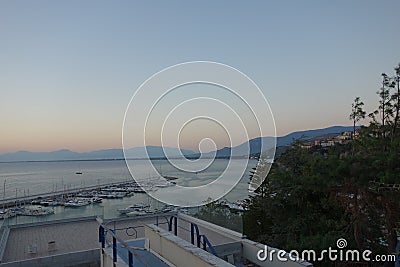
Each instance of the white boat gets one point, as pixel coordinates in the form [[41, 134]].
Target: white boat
[[49, 203], [164, 185], [37, 211], [239, 206], [76, 203], [4, 214], [96, 200], [135, 207], [168, 208], [136, 213]]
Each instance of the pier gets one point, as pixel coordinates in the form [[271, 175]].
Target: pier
[[12, 202]]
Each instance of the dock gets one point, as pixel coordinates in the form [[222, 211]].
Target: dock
[[12, 202]]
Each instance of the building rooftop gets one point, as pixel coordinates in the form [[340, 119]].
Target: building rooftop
[[48, 239], [163, 239]]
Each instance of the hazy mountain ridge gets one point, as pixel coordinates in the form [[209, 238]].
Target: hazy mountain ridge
[[157, 151], [65, 154], [267, 142]]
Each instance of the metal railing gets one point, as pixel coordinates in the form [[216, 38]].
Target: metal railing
[[171, 219], [201, 239], [4, 232], [105, 230]]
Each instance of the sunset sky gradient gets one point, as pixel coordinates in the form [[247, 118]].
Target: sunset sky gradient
[[69, 68]]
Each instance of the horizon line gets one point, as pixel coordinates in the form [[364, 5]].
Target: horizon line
[[121, 148]]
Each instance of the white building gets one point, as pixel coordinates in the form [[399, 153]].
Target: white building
[[163, 239]]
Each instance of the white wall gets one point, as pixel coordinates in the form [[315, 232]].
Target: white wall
[[178, 251]]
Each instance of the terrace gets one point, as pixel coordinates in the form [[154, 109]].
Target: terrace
[[162, 239]]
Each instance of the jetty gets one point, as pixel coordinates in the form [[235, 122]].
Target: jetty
[[119, 187]]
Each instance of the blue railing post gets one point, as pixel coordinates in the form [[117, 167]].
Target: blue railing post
[[170, 224], [198, 241], [130, 259], [100, 233], [101, 236], [173, 220], [191, 233], [114, 248], [176, 226], [194, 227], [206, 243]]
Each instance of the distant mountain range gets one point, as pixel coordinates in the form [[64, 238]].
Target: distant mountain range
[[255, 144], [107, 154], [157, 151]]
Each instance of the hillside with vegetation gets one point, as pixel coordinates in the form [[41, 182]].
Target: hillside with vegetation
[[315, 195]]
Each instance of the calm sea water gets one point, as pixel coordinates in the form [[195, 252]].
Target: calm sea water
[[19, 179], [27, 178]]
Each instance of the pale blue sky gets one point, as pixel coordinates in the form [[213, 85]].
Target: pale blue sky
[[69, 68]]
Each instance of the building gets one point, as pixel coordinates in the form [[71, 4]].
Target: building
[[163, 239]]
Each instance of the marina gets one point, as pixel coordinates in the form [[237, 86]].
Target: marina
[[46, 191], [41, 205]]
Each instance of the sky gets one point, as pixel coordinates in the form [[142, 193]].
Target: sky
[[68, 69]]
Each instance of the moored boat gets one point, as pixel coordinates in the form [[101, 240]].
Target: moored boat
[[136, 213], [76, 203], [36, 211], [135, 207]]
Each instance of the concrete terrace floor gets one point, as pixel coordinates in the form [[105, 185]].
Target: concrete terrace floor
[[69, 236]]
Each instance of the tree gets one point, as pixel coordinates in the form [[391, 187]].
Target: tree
[[295, 208], [216, 212], [357, 113], [396, 98], [311, 197], [385, 108]]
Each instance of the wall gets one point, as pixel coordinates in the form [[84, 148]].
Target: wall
[[80, 258], [178, 251]]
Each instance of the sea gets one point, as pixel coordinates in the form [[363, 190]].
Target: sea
[[24, 179]]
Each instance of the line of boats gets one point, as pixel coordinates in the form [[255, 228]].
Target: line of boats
[[25, 211], [67, 202], [93, 196], [144, 209], [96, 195], [42, 205]]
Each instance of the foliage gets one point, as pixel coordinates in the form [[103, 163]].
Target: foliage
[[219, 214], [312, 197], [357, 113], [298, 210]]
